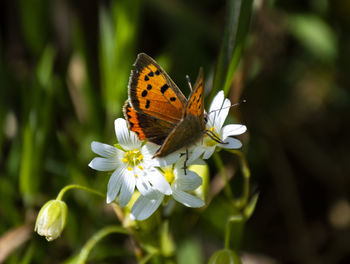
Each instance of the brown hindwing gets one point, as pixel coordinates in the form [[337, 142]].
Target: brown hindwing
[[192, 126], [147, 127]]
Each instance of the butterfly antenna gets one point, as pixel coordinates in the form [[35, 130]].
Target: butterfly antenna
[[236, 104], [189, 81], [214, 137]]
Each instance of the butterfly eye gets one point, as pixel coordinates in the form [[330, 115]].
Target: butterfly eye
[[205, 118]]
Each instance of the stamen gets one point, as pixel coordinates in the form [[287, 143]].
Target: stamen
[[129, 168], [214, 137], [124, 160], [140, 167]]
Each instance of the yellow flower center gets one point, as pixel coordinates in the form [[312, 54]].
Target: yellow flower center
[[169, 175], [209, 142], [133, 158]]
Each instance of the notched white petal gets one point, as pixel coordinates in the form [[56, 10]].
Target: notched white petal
[[232, 143], [217, 101], [144, 208], [159, 182], [127, 189], [124, 136], [104, 150], [195, 154], [114, 185], [188, 182], [222, 114], [103, 164], [187, 199], [233, 130], [208, 152]]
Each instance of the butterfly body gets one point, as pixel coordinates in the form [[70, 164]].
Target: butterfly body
[[159, 112]]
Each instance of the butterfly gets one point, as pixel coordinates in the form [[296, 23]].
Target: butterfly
[[158, 111]]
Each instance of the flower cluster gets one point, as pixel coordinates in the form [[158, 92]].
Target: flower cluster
[[133, 165]]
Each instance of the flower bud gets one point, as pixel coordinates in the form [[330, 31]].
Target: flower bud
[[225, 256], [51, 219]]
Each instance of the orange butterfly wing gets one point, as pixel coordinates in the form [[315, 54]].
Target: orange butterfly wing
[[152, 92], [195, 104]]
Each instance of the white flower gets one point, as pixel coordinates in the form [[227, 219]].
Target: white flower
[[132, 164], [218, 112], [181, 184]]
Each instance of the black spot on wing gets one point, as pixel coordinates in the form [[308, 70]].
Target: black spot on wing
[[149, 87], [146, 78], [148, 102], [172, 99], [151, 74], [157, 72], [199, 97], [164, 88], [144, 93]]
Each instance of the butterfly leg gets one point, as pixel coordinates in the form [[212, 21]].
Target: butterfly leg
[[185, 162]]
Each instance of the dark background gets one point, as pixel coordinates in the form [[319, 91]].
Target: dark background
[[63, 79]]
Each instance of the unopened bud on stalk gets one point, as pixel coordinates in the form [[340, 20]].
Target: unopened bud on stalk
[[51, 219]]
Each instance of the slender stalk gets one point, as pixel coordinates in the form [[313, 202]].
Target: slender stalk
[[234, 219], [220, 166], [76, 186], [242, 202], [90, 244]]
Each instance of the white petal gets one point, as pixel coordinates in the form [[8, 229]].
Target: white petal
[[222, 114], [127, 139], [217, 102], [233, 130], [159, 182], [232, 143], [168, 160], [187, 199], [145, 188], [128, 187], [218, 111], [114, 184], [104, 150], [144, 208], [149, 149], [195, 154], [102, 164], [188, 182], [209, 151]]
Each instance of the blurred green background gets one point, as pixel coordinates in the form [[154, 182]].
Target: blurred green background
[[64, 69]]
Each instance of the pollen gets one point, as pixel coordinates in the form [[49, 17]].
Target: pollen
[[140, 167], [129, 168], [212, 129], [169, 175], [132, 157]]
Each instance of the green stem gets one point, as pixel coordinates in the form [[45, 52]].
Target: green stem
[[239, 220], [76, 186], [149, 256], [90, 244], [221, 167], [242, 202]]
